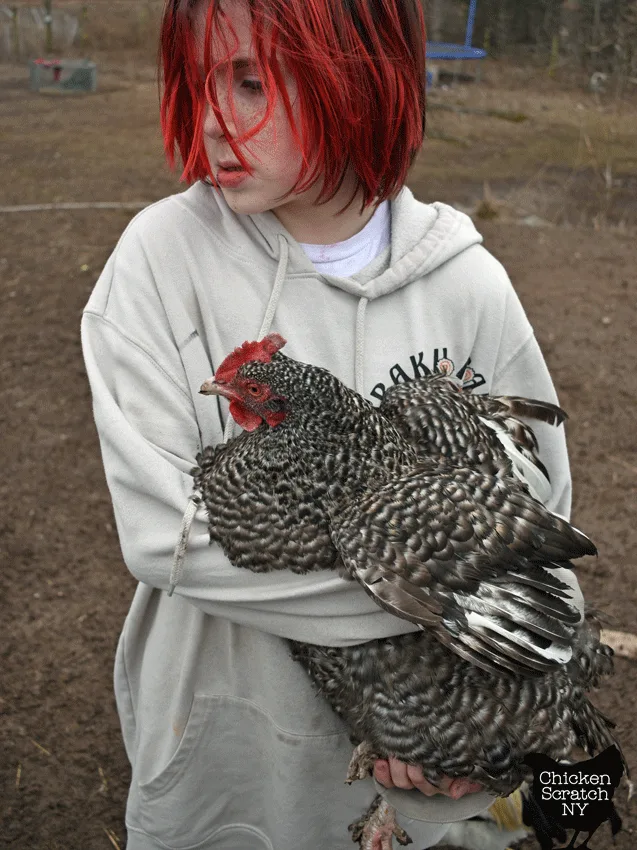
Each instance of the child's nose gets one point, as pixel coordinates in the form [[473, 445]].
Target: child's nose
[[211, 125]]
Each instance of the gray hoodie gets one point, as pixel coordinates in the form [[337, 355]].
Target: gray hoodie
[[230, 746]]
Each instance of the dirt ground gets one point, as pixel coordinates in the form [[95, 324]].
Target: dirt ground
[[569, 170]]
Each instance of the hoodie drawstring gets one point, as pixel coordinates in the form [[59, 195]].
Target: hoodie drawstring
[[360, 345], [276, 289], [177, 568]]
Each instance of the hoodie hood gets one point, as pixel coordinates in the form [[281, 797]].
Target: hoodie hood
[[423, 237]]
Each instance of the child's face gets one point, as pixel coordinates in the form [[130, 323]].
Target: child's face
[[272, 152]]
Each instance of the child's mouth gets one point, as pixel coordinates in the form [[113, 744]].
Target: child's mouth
[[231, 177]]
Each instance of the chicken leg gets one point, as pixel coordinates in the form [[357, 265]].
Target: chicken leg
[[362, 763], [379, 819]]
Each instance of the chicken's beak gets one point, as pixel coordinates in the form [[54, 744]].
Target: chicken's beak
[[211, 387]]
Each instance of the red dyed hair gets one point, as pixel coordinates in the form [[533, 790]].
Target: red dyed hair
[[359, 66]]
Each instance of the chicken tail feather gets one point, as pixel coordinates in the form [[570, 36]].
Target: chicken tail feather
[[542, 411]]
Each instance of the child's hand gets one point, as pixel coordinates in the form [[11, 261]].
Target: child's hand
[[396, 774]]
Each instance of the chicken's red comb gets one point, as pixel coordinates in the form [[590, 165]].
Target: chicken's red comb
[[261, 351]]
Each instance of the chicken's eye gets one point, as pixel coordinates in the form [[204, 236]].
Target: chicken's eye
[[255, 389]]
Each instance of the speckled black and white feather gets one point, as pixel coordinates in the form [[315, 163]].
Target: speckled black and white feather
[[412, 698], [459, 428]]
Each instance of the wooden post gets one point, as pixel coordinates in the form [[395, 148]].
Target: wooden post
[[16, 33], [486, 44], [570, 19], [84, 24], [48, 20], [597, 22], [555, 55], [436, 14]]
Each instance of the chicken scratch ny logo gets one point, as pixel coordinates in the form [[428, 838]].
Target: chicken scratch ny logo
[[573, 796]]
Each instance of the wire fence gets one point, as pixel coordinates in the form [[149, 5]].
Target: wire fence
[[116, 24], [25, 30], [598, 34]]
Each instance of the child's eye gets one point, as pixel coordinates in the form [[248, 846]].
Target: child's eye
[[252, 85]]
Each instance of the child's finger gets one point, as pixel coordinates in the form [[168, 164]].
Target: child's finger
[[399, 772], [460, 787], [418, 781], [381, 773]]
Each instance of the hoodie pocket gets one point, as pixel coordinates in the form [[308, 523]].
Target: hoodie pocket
[[237, 779], [195, 726]]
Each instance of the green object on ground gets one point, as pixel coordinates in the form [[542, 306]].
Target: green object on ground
[[62, 75]]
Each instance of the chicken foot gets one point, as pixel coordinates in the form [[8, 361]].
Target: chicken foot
[[362, 763], [378, 820]]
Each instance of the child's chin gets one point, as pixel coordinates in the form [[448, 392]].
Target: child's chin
[[246, 204]]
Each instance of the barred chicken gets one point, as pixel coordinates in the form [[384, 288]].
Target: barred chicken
[[420, 502]]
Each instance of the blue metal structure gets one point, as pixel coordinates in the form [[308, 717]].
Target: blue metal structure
[[444, 50]]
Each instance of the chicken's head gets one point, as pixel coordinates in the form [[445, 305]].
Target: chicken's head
[[252, 399]]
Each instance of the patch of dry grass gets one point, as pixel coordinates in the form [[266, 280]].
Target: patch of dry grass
[[558, 124], [82, 147], [574, 158]]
